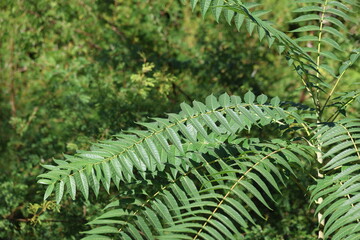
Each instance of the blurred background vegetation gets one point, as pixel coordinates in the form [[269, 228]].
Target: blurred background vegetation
[[76, 71]]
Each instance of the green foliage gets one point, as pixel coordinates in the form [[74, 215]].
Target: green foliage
[[66, 81], [141, 85], [207, 180], [228, 168]]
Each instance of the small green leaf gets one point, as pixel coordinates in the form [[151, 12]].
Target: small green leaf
[[143, 226], [136, 161], [239, 20], [49, 190], [210, 123], [228, 14], [236, 118], [250, 26], [153, 149], [307, 38], [134, 232], [333, 31], [275, 101], [59, 191], [217, 9], [107, 174], [223, 121], [144, 156], [187, 109], [254, 191], [249, 97], [340, 13], [102, 230], [94, 182], [236, 100], [261, 33], [224, 100], [211, 102], [72, 186], [307, 17], [116, 166], [344, 66], [197, 125], [307, 28], [175, 139], [44, 181], [234, 213], [199, 106], [204, 6], [261, 99], [163, 142], [193, 4], [83, 184], [329, 55], [247, 114], [309, 9]]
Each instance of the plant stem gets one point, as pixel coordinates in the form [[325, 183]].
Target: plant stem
[[318, 56], [319, 153], [331, 92]]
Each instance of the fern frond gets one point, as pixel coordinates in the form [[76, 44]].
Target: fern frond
[[142, 154], [210, 200], [339, 190], [323, 24], [240, 13]]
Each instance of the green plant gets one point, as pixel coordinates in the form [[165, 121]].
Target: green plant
[[204, 173]]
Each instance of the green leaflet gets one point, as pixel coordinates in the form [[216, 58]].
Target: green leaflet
[[94, 182], [144, 227], [82, 183], [193, 4], [305, 18], [72, 186], [228, 14], [204, 6], [48, 191], [307, 28], [217, 9], [239, 20], [102, 230], [175, 139], [309, 8], [236, 212], [212, 103], [59, 192]]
